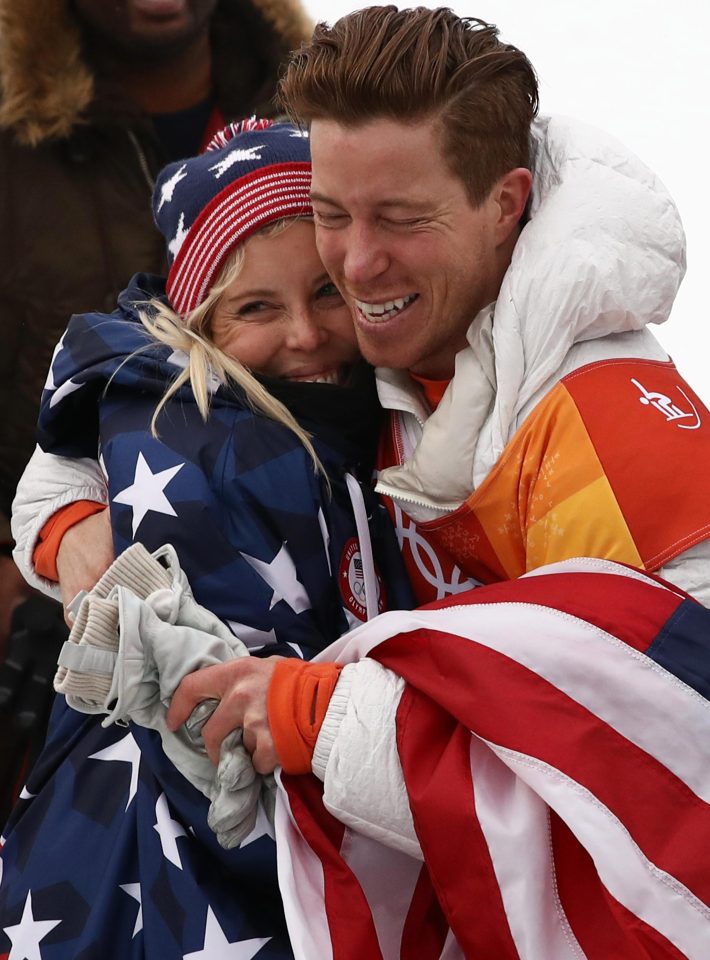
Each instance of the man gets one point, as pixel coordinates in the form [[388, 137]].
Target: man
[[501, 272], [453, 269], [96, 98]]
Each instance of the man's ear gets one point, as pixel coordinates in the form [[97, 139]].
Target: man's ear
[[511, 193]]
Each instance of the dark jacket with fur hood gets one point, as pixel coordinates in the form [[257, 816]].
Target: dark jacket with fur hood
[[76, 171]]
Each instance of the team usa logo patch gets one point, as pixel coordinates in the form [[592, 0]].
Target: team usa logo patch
[[351, 578]]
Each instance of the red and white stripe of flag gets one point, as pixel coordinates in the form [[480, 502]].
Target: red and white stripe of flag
[[559, 781]]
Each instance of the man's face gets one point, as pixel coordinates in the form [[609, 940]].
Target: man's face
[[398, 234], [139, 27]]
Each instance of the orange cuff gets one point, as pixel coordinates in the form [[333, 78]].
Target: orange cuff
[[299, 694], [44, 557]]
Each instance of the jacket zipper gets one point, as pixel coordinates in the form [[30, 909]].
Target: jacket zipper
[[398, 497], [142, 161]]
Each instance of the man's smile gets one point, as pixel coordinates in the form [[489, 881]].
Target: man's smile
[[385, 310]]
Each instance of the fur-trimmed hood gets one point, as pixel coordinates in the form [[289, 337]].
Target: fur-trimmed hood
[[47, 86]]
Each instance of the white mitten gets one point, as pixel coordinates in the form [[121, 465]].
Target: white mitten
[[87, 659], [135, 636]]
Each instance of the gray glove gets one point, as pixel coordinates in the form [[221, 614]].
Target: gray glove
[[135, 636], [235, 792]]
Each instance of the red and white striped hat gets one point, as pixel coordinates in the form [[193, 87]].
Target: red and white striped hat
[[252, 173]]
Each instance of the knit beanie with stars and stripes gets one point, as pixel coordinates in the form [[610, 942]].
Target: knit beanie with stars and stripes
[[252, 173]]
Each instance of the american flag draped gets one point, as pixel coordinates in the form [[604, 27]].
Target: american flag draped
[[554, 740]]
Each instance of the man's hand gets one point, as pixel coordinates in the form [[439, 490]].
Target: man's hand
[[241, 686], [85, 554]]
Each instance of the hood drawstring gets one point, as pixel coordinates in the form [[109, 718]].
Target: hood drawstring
[[363, 534]]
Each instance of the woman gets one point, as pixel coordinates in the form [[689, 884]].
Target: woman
[[245, 462]]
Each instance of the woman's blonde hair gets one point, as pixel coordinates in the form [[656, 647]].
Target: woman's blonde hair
[[205, 361]]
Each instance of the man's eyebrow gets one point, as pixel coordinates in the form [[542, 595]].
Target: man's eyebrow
[[321, 197], [400, 203]]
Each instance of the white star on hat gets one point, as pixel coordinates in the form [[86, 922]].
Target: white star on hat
[[217, 947], [236, 156], [179, 238], [168, 188], [26, 935], [146, 491]]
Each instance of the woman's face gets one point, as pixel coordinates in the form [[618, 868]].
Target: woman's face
[[282, 316]]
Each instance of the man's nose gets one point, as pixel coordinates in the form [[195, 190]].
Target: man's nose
[[305, 331], [365, 258]]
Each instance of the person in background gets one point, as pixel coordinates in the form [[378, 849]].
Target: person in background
[[96, 98]]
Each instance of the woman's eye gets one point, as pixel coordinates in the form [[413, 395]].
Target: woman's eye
[[328, 290], [255, 306]]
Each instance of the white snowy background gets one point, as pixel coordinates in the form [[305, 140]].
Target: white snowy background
[[641, 70]]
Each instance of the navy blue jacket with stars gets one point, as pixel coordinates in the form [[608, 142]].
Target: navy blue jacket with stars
[[108, 852]]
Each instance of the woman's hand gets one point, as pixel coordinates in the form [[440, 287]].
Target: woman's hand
[[242, 687], [84, 555]]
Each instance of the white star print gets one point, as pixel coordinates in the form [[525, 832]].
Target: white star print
[[168, 188], [146, 491], [217, 947], [26, 795], [301, 134], [168, 830], [179, 238], [128, 751], [262, 828], [65, 388], [63, 391], [50, 384], [180, 359], [26, 935], [134, 890], [251, 637], [325, 533], [281, 576], [236, 156]]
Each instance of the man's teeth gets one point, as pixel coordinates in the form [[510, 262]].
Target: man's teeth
[[376, 312]]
